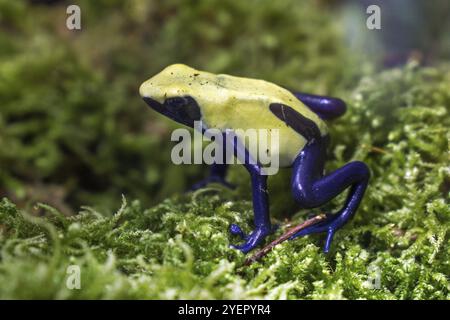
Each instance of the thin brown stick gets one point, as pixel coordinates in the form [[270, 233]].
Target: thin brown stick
[[261, 253], [375, 149]]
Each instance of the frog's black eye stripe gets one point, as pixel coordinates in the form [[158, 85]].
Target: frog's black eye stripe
[[156, 106], [183, 109], [304, 126]]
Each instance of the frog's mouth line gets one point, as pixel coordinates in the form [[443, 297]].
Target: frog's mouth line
[[184, 110]]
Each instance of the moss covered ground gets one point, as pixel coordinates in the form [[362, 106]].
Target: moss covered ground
[[87, 180]]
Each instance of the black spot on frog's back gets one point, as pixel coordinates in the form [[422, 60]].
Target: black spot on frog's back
[[302, 125]]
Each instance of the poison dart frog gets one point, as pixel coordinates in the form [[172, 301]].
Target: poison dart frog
[[226, 102]]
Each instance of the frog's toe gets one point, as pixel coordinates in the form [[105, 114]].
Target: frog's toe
[[251, 241], [329, 226], [237, 231]]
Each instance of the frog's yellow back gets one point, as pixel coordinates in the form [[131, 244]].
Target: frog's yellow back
[[229, 102]]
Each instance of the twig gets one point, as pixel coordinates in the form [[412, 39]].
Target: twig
[[375, 149], [261, 253]]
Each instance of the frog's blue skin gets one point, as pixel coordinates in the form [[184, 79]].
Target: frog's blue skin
[[310, 187]]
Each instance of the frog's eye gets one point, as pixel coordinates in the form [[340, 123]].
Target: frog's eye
[[185, 109], [176, 102]]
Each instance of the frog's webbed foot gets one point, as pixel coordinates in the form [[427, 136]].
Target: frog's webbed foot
[[329, 226], [251, 240]]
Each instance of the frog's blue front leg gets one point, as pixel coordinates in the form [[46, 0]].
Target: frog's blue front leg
[[260, 196], [312, 189], [326, 107]]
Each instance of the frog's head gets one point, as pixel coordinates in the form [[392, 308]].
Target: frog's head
[[172, 93]]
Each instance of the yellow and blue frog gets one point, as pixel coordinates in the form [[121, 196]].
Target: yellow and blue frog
[[227, 102]]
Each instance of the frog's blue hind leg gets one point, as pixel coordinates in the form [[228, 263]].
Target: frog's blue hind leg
[[326, 107], [312, 189], [260, 196]]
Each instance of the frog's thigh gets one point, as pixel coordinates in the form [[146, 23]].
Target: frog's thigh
[[307, 169], [312, 189]]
